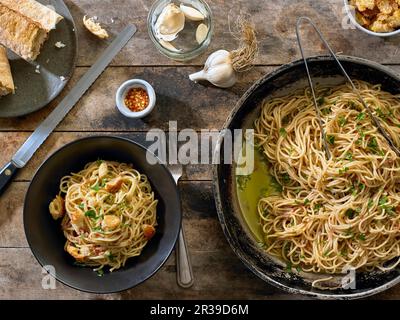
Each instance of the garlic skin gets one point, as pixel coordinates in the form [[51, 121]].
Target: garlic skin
[[218, 70], [169, 46], [169, 23]]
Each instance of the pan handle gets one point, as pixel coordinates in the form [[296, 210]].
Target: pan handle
[[6, 175]]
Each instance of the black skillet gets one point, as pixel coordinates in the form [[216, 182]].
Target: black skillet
[[243, 243]]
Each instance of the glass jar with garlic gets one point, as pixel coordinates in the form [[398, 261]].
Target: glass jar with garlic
[[182, 29]]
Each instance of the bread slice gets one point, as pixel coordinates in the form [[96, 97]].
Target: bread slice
[[42, 15], [24, 26], [6, 79]]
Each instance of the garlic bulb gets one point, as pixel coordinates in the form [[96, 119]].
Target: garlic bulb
[[221, 67], [218, 70], [169, 23]]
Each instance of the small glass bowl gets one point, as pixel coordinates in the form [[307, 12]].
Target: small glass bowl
[[155, 11]]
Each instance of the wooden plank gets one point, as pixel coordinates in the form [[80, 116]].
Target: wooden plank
[[217, 276], [11, 141], [276, 33], [192, 105], [200, 219]]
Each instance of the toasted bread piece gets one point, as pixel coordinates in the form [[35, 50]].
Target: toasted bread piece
[[6, 79], [44, 16], [24, 26]]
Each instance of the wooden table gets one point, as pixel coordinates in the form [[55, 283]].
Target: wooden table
[[219, 273]]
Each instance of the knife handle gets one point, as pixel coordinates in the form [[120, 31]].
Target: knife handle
[[6, 175]]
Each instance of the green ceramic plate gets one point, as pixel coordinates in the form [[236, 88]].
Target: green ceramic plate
[[35, 90]]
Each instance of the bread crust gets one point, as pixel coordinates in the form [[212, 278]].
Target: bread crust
[[23, 28], [6, 79], [35, 11]]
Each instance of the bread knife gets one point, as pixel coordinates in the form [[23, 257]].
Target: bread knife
[[27, 150]]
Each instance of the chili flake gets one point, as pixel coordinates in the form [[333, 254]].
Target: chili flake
[[137, 99]]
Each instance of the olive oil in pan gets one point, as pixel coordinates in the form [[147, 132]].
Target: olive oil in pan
[[251, 188]]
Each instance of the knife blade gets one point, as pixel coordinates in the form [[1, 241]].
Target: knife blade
[[27, 150]]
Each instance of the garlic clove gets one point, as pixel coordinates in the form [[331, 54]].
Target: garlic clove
[[201, 33], [169, 23], [192, 13], [169, 46]]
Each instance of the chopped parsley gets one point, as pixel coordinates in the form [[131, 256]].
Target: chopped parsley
[[381, 114], [100, 272], [330, 139], [353, 106], [370, 203], [382, 201], [348, 156], [321, 101], [282, 132], [306, 201], [383, 205], [317, 207], [326, 110], [342, 121], [81, 206], [96, 187], [110, 256], [360, 116], [103, 183], [390, 210], [343, 170], [242, 181], [286, 178], [360, 131], [349, 232], [373, 144], [350, 213], [288, 267], [91, 214], [361, 236]]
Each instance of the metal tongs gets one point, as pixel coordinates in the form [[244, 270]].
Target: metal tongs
[[375, 120]]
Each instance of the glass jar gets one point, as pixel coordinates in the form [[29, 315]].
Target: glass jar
[[186, 46]]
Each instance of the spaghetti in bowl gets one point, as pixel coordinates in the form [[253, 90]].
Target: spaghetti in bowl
[[95, 242], [108, 213]]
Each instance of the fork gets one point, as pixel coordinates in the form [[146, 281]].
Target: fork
[[184, 268]]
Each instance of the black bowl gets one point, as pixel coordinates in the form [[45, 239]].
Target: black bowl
[[46, 238], [324, 70]]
